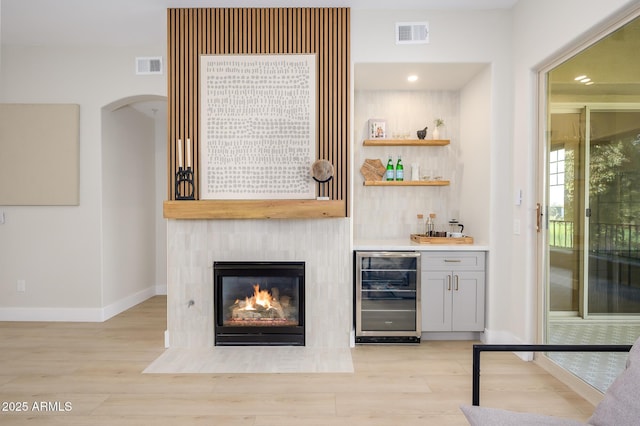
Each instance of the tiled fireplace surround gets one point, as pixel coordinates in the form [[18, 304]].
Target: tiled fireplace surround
[[323, 244]]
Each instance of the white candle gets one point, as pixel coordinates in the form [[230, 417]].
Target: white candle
[[179, 153], [188, 152]]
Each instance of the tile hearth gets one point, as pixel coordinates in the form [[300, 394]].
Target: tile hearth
[[254, 359]]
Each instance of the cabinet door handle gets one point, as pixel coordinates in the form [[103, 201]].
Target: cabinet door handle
[[448, 282], [453, 260], [457, 278]]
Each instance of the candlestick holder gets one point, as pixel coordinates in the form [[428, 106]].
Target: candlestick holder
[[184, 184]]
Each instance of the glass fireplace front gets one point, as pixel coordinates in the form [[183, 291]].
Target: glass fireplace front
[[259, 303]]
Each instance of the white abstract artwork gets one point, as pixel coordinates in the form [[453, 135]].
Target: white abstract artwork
[[257, 126]]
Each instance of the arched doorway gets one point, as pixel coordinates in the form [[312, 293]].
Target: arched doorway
[[133, 184]]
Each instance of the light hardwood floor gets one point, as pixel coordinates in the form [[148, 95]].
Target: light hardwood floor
[[97, 368]]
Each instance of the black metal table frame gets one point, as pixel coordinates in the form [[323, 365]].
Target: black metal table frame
[[479, 348]]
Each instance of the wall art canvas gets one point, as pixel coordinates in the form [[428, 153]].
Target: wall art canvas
[[257, 126]]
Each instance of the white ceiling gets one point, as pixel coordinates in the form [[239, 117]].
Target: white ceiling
[[143, 22], [393, 76]]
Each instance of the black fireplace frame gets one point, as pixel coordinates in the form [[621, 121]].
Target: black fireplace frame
[[258, 336]]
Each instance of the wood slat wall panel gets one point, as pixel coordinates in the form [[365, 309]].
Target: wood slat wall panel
[[323, 31]]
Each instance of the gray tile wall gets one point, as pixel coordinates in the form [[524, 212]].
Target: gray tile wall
[[323, 244], [397, 207]]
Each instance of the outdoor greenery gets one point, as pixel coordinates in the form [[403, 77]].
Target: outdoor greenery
[[614, 197]]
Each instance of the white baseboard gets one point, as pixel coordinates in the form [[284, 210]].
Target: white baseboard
[[450, 335], [161, 289], [130, 301], [52, 314], [76, 314]]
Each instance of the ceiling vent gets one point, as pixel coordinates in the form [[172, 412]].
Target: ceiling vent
[[149, 65], [412, 32]]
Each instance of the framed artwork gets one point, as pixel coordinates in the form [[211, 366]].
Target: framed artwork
[[257, 126], [378, 128], [39, 154]]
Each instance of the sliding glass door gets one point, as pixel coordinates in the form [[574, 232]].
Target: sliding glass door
[[613, 213], [594, 212], [590, 204]]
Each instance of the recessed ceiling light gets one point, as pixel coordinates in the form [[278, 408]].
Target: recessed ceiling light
[[580, 77], [412, 78], [588, 83], [585, 80]]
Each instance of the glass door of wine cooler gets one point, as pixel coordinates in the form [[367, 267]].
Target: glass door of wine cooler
[[387, 297]]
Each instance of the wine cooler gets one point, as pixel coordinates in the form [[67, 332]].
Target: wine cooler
[[387, 297]]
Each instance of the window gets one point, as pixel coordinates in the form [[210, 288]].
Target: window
[[556, 184]]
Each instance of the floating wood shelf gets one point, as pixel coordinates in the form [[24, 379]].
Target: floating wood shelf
[[406, 142], [406, 183], [254, 209]]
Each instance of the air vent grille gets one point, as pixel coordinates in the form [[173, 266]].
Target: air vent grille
[[149, 65], [412, 32]]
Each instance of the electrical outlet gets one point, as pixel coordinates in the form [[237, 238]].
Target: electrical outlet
[[22, 286], [516, 227]]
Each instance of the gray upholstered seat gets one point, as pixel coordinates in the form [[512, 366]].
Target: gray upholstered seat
[[619, 407]]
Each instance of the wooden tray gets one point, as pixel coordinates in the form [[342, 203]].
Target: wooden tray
[[423, 239]]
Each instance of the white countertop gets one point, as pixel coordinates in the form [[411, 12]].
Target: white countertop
[[402, 244]]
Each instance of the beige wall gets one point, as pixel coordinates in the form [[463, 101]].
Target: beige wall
[[57, 250]]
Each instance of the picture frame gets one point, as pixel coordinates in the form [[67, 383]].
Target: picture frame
[[378, 128], [251, 148]]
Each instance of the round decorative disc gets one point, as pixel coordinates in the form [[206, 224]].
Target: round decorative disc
[[322, 170]]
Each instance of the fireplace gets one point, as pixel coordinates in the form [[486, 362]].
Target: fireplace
[[259, 303]]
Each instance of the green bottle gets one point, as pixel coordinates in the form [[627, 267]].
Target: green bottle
[[399, 169], [390, 173]]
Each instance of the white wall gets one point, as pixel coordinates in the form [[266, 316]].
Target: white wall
[[161, 195], [464, 36], [128, 204], [474, 156], [565, 23], [515, 43], [57, 250]]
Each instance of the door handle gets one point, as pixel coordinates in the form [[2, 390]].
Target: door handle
[[448, 282], [538, 217], [457, 281]]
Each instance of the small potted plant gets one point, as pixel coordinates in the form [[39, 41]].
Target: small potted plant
[[438, 122]]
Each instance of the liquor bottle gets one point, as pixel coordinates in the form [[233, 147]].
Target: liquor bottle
[[399, 169], [430, 226], [390, 172]]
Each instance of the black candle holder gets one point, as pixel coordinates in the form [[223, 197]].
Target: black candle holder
[[184, 184]]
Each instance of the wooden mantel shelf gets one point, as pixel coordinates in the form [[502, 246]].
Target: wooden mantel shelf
[[254, 209]]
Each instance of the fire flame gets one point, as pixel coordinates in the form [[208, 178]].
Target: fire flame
[[260, 297]]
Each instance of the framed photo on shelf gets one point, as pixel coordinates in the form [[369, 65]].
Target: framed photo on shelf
[[378, 128]]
